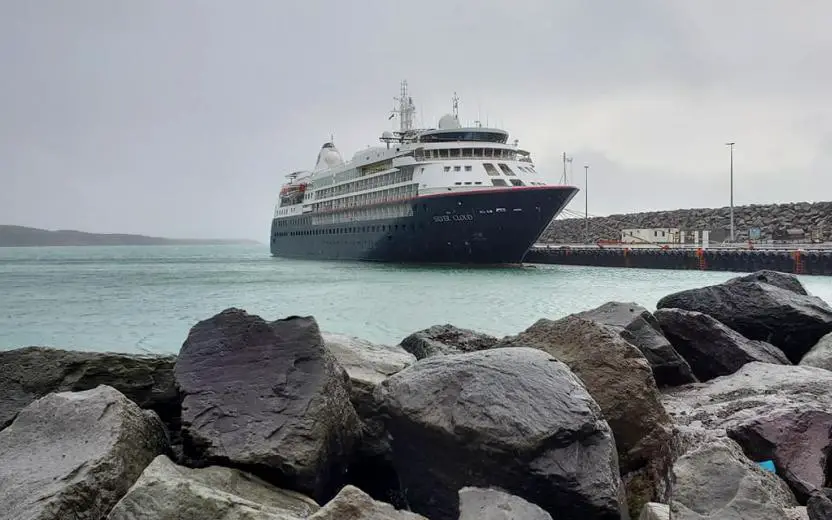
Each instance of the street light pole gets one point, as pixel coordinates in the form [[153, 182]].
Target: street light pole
[[586, 203], [731, 145]]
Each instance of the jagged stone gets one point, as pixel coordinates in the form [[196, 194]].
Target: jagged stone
[[353, 504], [711, 348], [785, 281], [268, 397], [715, 480], [75, 454], [165, 491], [512, 418], [620, 380], [446, 339], [637, 326], [819, 506], [495, 504], [30, 373], [655, 511], [820, 355], [791, 322], [797, 440]]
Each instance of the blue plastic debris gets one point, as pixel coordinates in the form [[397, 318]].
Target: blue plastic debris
[[767, 465]]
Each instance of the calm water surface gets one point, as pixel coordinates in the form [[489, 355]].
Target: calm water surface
[[147, 298]]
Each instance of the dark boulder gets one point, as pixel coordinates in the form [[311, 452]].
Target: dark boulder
[[711, 348], [797, 440], [351, 503], [785, 281], [446, 339], [32, 372], [820, 355], [620, 380], [267, 397], [758, 310], [637, 326], [511, 418], [819, 505], [73, 455]]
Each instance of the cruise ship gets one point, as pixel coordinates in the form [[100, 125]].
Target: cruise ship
[[452, 194]]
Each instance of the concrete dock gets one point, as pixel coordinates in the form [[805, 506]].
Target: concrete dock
[[810, 259]]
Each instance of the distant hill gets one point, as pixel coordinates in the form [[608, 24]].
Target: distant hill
[[20, 236]]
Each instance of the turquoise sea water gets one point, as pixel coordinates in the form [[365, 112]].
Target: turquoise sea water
[[146, 298]]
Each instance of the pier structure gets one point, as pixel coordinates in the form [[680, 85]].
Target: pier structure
[[809, 259]]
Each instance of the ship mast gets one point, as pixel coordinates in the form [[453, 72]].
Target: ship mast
[[406, 109]]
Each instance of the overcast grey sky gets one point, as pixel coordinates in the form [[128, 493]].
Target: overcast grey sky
[[181, 118]]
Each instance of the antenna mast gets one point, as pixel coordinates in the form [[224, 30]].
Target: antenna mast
[[406, 109], [456, 106], [566, 160]]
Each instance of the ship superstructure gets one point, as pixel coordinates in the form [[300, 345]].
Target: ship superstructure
[[452, 194]]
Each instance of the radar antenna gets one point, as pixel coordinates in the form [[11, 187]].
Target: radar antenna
[[455, 99]]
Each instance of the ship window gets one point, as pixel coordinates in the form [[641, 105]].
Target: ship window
[[468, 183], [516, 182], [447, 168], [467, 167], [498, 182], [478, 182], [457, 168], [467, 152], [506, 169], [490, 169], [458, 183], [455, 152]]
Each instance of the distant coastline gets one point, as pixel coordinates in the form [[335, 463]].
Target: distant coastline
[[22, 236]]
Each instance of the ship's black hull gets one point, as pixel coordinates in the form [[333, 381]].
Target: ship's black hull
[[482, 227]]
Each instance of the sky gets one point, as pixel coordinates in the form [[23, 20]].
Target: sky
[[181, 119]]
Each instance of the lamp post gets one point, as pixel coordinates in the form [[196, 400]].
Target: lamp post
[[586, 203], [731, 146]]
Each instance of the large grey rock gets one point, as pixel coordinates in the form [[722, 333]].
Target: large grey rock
[[513, 418], [715, 480], [73, 455], [446, 339], [30, 373], [367, 365], [785, 281], [820, 355], [495, 504], [165, 491], [620, 380], [758, 310], [637, 326], [268, 397], [796, 439], [711, 348], [353, 504], [755, 390]]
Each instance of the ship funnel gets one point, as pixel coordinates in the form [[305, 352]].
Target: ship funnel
[[328, 157]]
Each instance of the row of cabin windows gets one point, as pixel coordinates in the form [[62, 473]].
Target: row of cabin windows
[[366, 184], [364, 199], [380, 228], [467, 153], [491, 170]]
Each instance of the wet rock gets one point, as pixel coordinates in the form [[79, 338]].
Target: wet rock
[[755, 390], [785, 281], [75, 454], [819, 506], [637, 326], [791, 322], [367, 365], [711, 348], [513, 418], [620, 380], [820, 355], [268, 397], [655, 511], [446, 339], [797, 440], [494, 504], [715, 480], [353, 504], [165, 491], [32, 372]]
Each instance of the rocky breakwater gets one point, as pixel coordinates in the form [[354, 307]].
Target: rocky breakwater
[[611, 413], [771, 219]]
